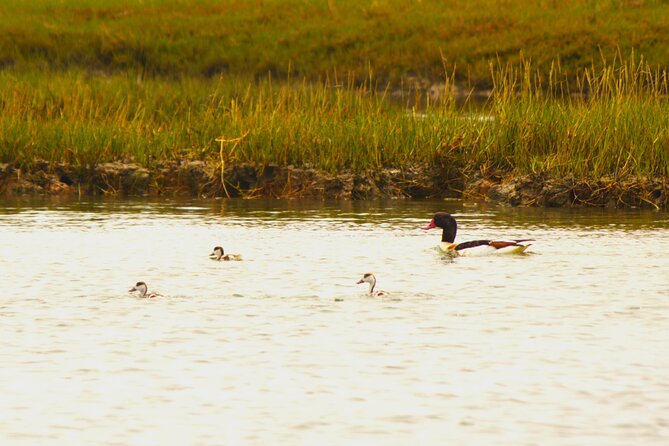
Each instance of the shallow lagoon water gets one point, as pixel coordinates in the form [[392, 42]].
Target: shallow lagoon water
[[566, 345]]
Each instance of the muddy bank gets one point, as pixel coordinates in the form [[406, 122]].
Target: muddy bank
[[197, 178], [201, 179], [570, 191]]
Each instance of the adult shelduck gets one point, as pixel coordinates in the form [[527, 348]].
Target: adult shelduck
[[142, 289], [370, 279], [220, 255], [446, 222]]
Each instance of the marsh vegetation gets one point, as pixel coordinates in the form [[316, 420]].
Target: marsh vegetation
[[96, 83]]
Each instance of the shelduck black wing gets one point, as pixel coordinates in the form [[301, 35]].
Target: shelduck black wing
[[471, 244]]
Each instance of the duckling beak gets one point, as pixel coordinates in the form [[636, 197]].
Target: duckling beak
[[359, 282], [431, 225]]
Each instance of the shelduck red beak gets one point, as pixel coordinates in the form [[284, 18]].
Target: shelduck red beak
[[430, 226]]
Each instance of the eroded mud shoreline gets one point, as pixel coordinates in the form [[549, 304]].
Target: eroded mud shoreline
[[197, 178]]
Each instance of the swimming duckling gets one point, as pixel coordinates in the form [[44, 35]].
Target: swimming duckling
[[370, 279], [142, 288], [219, 254]]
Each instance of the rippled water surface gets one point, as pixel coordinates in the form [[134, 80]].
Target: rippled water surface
[[568, 345]]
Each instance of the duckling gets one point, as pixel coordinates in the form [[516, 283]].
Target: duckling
[[370, 279], [219, 255], [142, 289]]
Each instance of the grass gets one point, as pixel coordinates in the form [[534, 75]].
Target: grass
[[309, 38], [615, 123]]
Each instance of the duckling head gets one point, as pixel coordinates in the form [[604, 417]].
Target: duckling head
[[370, 279], [140, 287], [217, 253]]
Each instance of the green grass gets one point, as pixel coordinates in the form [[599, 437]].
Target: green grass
[[311, 38], [536, 124]]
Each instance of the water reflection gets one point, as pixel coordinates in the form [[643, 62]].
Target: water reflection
[[391, 212]]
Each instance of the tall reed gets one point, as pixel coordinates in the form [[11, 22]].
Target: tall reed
[[614, 122]]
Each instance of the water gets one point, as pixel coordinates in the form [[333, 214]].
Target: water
[[565, 346]]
